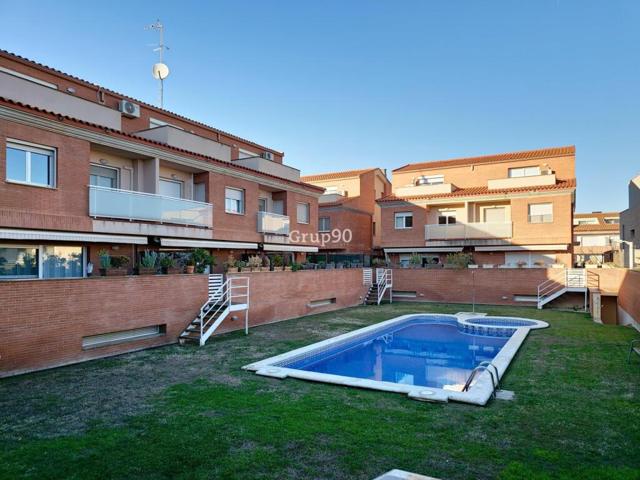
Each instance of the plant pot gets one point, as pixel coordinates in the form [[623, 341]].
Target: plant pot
[[264, 269], [146, 270], [287, 269], [164, 270], [103, 272], [190, 269], [117, 272]]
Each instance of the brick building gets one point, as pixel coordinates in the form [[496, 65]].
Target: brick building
[[511, 209], [83, 168], [349, 205], [595, 236]]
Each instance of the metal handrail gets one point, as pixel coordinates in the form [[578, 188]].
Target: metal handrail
[[226, 295], [384, 281], [482, 367]]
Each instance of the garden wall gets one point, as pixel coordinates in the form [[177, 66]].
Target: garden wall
[[629, 295], [496, 286]]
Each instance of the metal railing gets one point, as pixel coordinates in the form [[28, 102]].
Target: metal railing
[[273, 223], [384, 279], [130, 205], [481, 367], [559, 281], [220, 303], [465, 231]]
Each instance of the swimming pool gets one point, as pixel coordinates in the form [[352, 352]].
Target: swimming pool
[[429, 357]]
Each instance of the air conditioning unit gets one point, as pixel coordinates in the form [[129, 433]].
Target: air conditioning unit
[[267, 155], [129, 109]]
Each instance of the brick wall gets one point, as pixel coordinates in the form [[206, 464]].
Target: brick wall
[[282, 295], [43, 321], [492, 286], [629, 294]]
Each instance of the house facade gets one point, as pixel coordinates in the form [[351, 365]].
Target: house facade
[[595, 235], [511, 209], [630, 224], [349, 215], [85, 169]]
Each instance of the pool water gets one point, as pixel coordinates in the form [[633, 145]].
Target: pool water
[[425, 351]]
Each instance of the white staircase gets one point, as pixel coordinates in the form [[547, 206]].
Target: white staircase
[[224, 298], [377, 289], [560, 282]]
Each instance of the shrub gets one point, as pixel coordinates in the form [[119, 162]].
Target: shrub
[[295, 267], [166, 261], [120, 261], [149, 259], [461, 260], [415, 259], [278, 261], [254, 262]]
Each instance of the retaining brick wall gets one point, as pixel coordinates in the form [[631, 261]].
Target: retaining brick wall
[[629, 294], [43, 321], [495, 286]]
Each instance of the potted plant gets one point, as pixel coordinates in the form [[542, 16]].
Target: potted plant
[[190, 267], [415, 261], [458, 260], [166, 262], [119, 265], [240, 265], [278, 262], [322, 265], [295, 267], [521, 264], [203, 260], [230, 263], [266, 264], [254, 263], [148, 262], [105, 262]]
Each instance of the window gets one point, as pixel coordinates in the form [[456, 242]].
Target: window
[[62, 262], [262, 204], [586, 221], [540, 213], [303, 212], [495, 215], [324, 224], [30, 164], [430, 180], [524, 172], [18, 262], [123, 336], [612, 221], [234, 200], [446, 217], [404, 220], [103, 176], [170, 188], [199, 192], [246, 154]]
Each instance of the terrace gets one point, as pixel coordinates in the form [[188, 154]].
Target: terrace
[[154, 412]]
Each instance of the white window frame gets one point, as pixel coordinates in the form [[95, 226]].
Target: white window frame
[[181, 183], [531, 171], [448, 214], [308, 208], [542, 219], [117, 170], [328, 221], [404, 216], [29, 147], [242, 201]]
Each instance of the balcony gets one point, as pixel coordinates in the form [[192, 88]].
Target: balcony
[[434, 189], [273, 223], [518, 182], [176, 137], [128, 205], [466, 231], [270, 167]]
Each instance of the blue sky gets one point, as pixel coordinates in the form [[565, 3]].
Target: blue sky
[[349, 84]]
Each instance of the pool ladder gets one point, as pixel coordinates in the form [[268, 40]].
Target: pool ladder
[[481, 367]]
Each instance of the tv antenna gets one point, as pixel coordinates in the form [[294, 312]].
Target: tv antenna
[[160, 70]]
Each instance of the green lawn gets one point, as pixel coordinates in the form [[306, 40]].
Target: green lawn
[[187, 412]]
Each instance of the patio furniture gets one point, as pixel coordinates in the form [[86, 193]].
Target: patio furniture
[[634, 347]]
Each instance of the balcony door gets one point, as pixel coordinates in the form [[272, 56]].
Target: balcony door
[[170, 188], [278, 207], [495, 215]]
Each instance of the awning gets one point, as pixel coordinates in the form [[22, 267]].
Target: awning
[[183, 243], [49, 236], [522, 248], [277, 247], [423, 250]]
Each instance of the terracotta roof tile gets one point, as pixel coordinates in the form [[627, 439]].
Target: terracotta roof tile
[[41, 66], [465, 192], [601, 226], [334, 175], [501, 157], [102, 128]]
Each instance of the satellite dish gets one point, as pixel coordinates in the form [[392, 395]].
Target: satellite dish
[[160, 71]]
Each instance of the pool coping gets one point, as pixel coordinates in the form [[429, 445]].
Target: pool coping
[[479, 393]]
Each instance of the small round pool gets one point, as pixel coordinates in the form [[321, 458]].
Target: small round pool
[[506, 322]]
